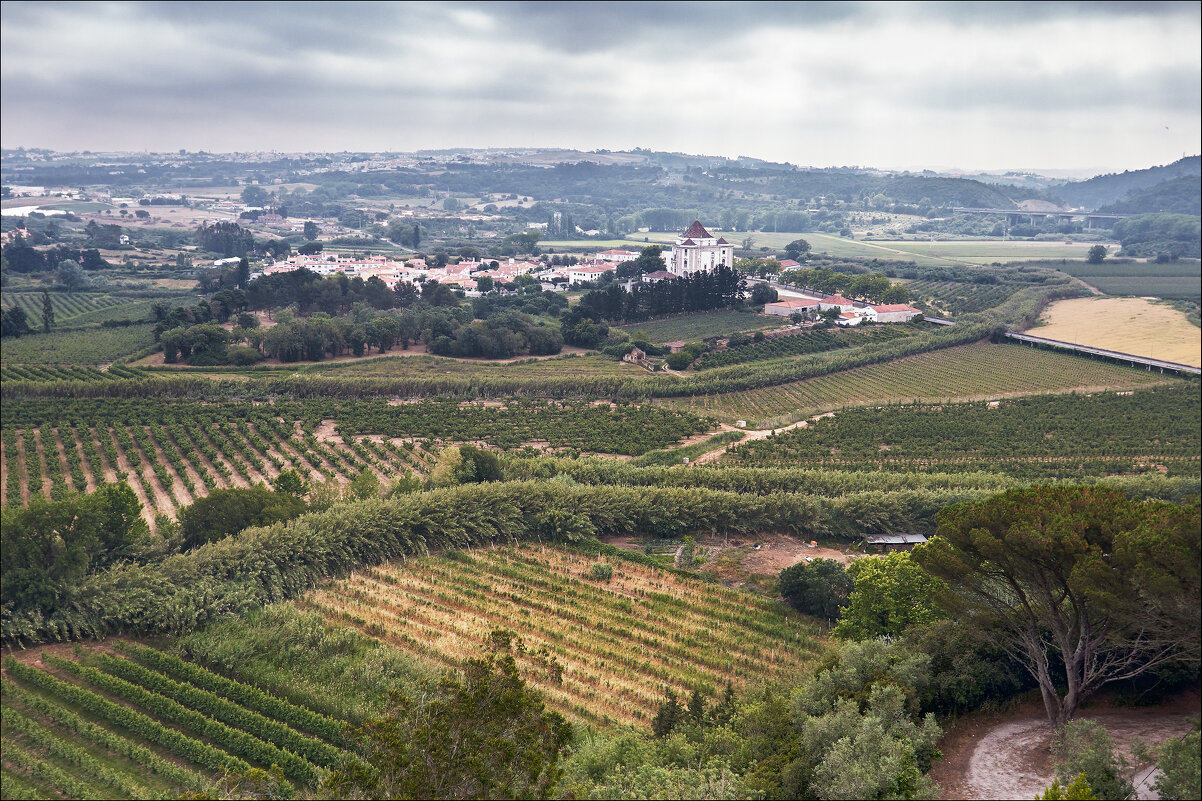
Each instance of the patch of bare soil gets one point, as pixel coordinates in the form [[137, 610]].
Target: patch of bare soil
[[1008, 755], [32, 656], [325, 432], [775, 556]]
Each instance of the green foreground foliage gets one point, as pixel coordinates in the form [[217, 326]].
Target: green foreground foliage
[[1082, 577]]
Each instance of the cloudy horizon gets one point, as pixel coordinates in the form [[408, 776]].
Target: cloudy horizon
[[974, 86]]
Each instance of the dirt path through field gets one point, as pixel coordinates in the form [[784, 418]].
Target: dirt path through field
[[180, 497], [60, 450], [109, 471], [751, 435], [1007, 755], [89, 479], [47, 483]]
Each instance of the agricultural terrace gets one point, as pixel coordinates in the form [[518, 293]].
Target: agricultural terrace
[[67, 306], [570, 366], [94, 346], [979, 370], [1127, 325], [1177, 280], [702, 325], [34, 372], [173, 452], [143, 724], [600, 651], [954, 298], [1049, 436], [816, 341], [921, 251]]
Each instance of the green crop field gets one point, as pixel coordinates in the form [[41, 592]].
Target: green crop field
[[172, 452], [1175, 280], [91, 347], [590, 365], [1048, 436], [149, 725], [958, 297], [971, 371], [704, 324], [600, 651], [67, 306]]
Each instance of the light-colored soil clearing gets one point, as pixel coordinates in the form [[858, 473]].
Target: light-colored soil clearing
[[1128, 325], [1007, 755]]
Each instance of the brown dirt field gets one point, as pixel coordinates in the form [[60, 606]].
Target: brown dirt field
[[785, 551], [32, 655], [1007, 754], [325, 432], [1127, 325]]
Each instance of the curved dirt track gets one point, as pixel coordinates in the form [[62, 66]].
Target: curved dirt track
[[1008, 755]]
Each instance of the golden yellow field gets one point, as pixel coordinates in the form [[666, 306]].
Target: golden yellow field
[[1128, 325]]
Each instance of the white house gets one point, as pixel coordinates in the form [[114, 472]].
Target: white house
[[891, 313], [579, 274], [618, 255], [699, 251]]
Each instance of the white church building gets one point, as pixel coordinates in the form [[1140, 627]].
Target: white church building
[[699, 251]]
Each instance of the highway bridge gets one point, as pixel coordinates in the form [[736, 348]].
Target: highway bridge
[[1128, 358], [1014, 215]]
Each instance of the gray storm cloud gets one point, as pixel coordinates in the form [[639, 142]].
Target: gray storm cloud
[[887, 85]]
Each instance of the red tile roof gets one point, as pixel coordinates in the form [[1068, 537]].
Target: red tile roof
[[837, 300], [697, 231], [688, 242], [895, 307], [793, 303], [722, 241]]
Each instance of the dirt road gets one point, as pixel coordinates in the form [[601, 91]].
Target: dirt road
[[1008, 755]]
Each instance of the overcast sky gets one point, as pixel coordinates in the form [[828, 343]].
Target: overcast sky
[[892, 85]]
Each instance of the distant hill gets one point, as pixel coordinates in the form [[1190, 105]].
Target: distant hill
[[1108, 189], [1174, 196]]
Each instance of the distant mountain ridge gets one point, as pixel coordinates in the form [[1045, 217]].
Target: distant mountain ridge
[[1103, 190]]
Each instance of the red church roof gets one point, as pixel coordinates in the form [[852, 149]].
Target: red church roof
[[697, 231]]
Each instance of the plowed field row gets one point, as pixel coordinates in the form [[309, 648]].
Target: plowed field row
[[601, 652], [170, 466], [149, 725], [969, 372]]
